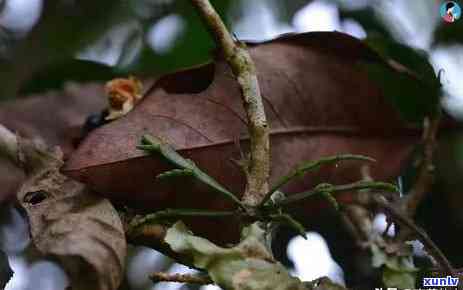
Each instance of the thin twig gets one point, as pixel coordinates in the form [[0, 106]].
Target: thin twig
[[181, 278], [329, 188], [176, 214], [152, 236], [258, 169], [425, 177], [311, 165], [357, 221], [402, 219]]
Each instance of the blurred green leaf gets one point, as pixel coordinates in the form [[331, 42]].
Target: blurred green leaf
[[55, 75], [399, 270], [285, 10], [64, 28], [369, 21], [449, 33], [399, 279], [194, 46], [413, 59], [407, 78]]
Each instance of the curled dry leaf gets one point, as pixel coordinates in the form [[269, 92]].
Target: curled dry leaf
[[81, 230], [318, 100], [123, 94]]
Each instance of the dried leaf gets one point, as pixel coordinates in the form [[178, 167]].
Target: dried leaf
[[398, 268], [81, 230], [54, 117], [246, 266], [320, 102]]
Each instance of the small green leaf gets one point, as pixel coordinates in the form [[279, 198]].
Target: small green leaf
[[175, 214], [378, 257], [288, 220], [331, 199], [175, 173], [331, 189], [153, 144], [312, 165]]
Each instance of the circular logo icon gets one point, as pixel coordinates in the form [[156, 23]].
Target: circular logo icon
[[450, 11]]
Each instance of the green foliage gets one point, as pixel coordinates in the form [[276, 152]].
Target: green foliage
[[288, 220], [193, 47], [448, 34], [62, 31], [248, 265], [326, 188], [155, 145], [45, 59], [169, 215], [369, 21], [305, 167], [399, 270], [406, 78], [175, 173], [55, 75]]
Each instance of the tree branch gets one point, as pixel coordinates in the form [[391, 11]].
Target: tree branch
[[300, 170], [425, 177], [405, 221], [329, 188], [181, 278], [258, 168]]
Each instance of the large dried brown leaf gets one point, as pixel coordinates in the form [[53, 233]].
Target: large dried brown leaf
[[54, 117], [318, 100], [79, 229]]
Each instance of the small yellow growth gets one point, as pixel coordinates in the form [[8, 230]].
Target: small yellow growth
[[123, 94]]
